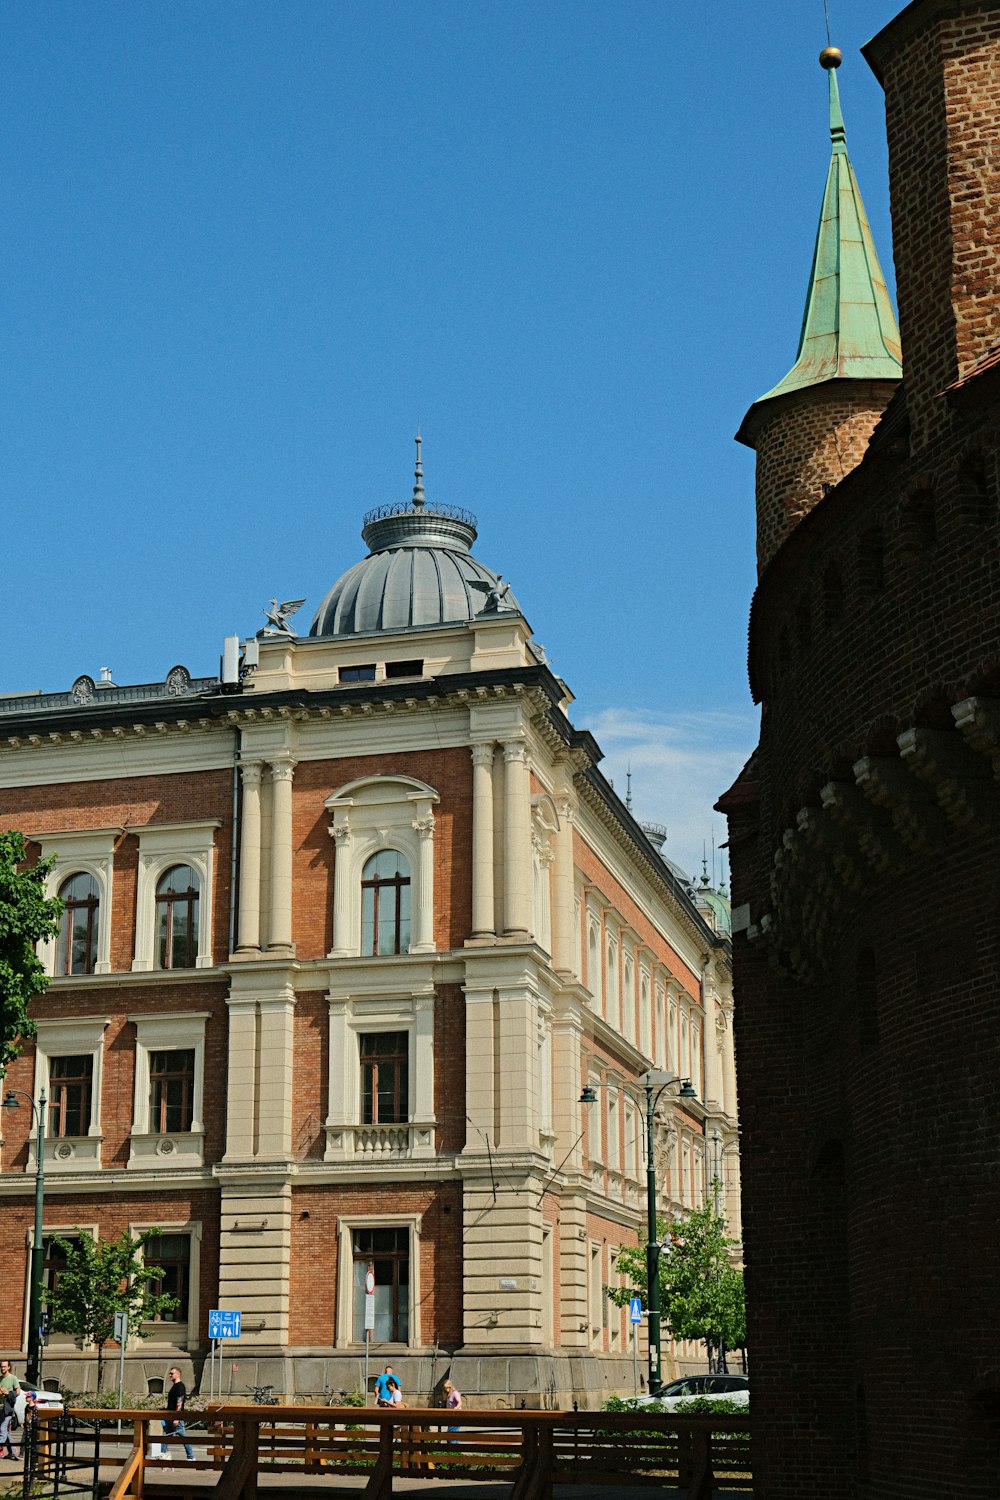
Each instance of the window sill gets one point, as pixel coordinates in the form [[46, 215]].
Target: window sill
[[69, 1153], [177, 1149]]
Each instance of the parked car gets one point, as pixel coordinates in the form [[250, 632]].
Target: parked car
[[734, 1388], [47, 1401]]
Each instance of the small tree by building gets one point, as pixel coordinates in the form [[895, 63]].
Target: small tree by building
[[99, 1279], [27, 917], [701, 1290]]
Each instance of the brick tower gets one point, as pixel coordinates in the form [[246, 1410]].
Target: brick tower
[[864, 836], [814, 425]]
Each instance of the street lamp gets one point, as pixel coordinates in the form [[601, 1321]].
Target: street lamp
[[654, 1082], [34, 1364]]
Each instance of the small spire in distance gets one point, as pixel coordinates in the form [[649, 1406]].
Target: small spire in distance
[[419, 498], [628, 785]]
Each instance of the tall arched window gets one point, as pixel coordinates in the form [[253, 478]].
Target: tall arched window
[[78, 925], [177, 918], [385, 904]]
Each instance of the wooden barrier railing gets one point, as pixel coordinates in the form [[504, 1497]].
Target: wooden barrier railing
[[532, 1449]]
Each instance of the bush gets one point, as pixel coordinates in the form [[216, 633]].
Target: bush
[[630, 1403], [696, 1406]]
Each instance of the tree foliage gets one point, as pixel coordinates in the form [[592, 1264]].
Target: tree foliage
[[701, 1291], [101, 1278], [27, 917]]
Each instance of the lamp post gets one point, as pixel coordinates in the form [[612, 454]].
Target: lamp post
[[34, 1362], [654, 1083]]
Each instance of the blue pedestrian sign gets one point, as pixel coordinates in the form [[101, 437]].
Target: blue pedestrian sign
[[224, 1324], [635, 1309]]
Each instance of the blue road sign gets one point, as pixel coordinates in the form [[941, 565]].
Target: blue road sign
[[635, 1309], [224, 1324]]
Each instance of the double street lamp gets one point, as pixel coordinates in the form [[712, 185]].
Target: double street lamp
[[655, 1083], [34, 1362]]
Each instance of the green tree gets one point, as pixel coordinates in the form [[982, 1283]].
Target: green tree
[[99, 1279], [27, 917], [701, 1291]]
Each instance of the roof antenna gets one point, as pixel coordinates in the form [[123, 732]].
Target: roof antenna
[[628, 788], [826, 13], [419, 498]]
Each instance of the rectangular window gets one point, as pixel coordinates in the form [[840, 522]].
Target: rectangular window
[[171, 1091], [172, 1253], [358, 674], [70, 1083], [387, 1253], [404, 669], [385, 1069], [54, 1259]]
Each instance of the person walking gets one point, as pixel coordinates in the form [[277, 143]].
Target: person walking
[[9, 1387], [395, 1392], [176, 1397], [453, 1400]]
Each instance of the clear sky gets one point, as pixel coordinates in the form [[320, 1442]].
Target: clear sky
[[248, 246]]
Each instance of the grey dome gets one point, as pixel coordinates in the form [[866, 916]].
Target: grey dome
[[420, 571]]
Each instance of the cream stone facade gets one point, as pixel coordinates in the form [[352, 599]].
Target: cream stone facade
[[364, 921]]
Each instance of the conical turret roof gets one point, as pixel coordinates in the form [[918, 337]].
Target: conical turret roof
[[849, 329]]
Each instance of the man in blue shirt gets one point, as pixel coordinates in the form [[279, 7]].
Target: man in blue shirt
[[383, 1395]]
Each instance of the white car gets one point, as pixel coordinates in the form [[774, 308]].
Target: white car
[[47, 1401], [735, 1388]]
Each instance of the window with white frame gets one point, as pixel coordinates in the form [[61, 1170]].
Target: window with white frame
[[611, 983], [614, 1148], [645, 1018], [176, 1250], [381, 1082], [82, 877], [173, 924], [660, 1043], [389, 1246], [69, 1069], [628, 999], [593, 1118], [385, 904], [594, 964], [596, 1297], [79, 924], [380, 821], [169, 1089]]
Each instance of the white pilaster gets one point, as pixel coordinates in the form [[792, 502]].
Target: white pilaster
[[422, 937], [564, 947], [482, 841], [282, 771], [249, 914], [516, 841]]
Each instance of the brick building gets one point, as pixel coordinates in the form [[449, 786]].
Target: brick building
[[346, 936], [864, 829]]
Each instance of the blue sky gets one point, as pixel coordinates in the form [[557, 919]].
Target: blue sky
[[249, 246]]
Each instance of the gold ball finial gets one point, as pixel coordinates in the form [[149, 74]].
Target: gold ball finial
[[831, 57]]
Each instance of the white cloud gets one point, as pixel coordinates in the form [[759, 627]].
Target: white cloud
[[681, 764]]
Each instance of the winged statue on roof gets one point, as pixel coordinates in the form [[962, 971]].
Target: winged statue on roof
[[496, 593], [278, 615]]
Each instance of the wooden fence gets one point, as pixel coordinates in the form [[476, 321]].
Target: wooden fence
[[531, 1449]]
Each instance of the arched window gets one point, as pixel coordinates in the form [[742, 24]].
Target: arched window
[[385, 904], [78, 925], [177, 918]]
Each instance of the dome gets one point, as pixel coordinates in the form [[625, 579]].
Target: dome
[[419, 571]]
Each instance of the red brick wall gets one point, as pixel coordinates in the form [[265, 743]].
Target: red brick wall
[[134, 801], [111, 1215], [315, 1241], [869, 1176], [942, 87], [805, 441], [450, 773]]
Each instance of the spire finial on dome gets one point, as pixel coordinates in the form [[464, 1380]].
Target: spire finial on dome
[[419, 498]]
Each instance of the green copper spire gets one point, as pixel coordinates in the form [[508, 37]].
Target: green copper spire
[[849, 329]]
